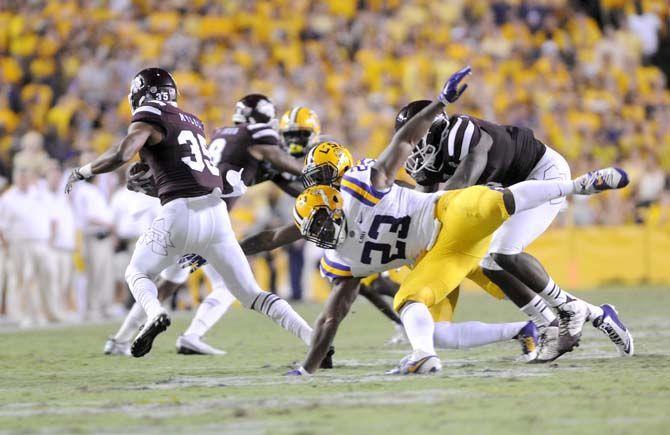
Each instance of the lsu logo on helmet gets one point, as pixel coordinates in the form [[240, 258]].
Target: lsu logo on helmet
[[326, 163], [318, 214], [299, 128]]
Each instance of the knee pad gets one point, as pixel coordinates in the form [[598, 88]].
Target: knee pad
[[132, 274]]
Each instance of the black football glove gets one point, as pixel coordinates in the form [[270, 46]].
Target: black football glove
[[141, 180]]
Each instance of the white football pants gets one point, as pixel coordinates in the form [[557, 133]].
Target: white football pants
[[522, 228], [200, 226]]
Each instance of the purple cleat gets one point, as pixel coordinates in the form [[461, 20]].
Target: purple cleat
[[600, 180], [612, 326], [528, 338]]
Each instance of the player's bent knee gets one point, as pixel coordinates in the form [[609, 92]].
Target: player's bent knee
[[133, 273], [425, 296], [506, 261], [488, 264]]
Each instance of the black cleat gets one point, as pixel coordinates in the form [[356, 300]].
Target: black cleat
[[327, 362], [142, 344]]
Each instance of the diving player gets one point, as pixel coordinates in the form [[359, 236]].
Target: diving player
[[193, 218], [461, 151], [375, 225]]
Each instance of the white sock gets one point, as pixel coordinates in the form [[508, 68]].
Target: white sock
[[553, 294], [283, 314], [134, 319], [210, 311], [419, 327], [145, 293], [532, 193], [556, 297], [539, 312], [464, 335]]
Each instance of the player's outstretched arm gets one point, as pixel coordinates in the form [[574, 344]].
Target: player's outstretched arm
[[139, 134], [338, 304], [470, 169], [270, 239], [290, 187], [402, 143], [277, 158]]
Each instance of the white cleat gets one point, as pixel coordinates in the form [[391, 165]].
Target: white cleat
[[548, 346], [411, 365], [571, 318], [193, 345], [398, 337], [600, 180], [610, 324], [113, 347]]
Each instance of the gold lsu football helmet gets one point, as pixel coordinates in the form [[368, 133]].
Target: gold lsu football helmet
[[319, 216], [299, 127], [326, 163]]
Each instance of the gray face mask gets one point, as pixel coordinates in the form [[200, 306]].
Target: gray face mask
[[426, 156]]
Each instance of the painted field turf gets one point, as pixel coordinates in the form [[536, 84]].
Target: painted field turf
[[58, 381]]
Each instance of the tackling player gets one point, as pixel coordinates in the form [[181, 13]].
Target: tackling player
[[193, 218], [375, 225], [461, 151]]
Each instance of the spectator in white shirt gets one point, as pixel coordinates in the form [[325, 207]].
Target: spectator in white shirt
[[63, 235], [646, 26], [26, 229], [94, 218]]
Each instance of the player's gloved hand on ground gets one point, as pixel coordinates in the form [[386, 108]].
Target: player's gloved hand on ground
[[451, 91], [192, 262], [141, 180]]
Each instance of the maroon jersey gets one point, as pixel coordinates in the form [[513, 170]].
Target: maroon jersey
[[180, 163], [513, 155], [230, 152]]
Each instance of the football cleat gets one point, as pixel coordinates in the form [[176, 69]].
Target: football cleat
[[571, 318], [612, 326], [528, 338], [193, 345], [113, 347], [411, 365], [327, 362], [600, 180], [154, 326], [548, 350]]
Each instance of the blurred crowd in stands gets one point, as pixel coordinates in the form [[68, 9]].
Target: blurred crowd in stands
[[590, 77]]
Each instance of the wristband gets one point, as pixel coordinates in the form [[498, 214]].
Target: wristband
[[86, 171]]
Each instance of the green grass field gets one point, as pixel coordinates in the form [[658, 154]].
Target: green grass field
[[57, 380]]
